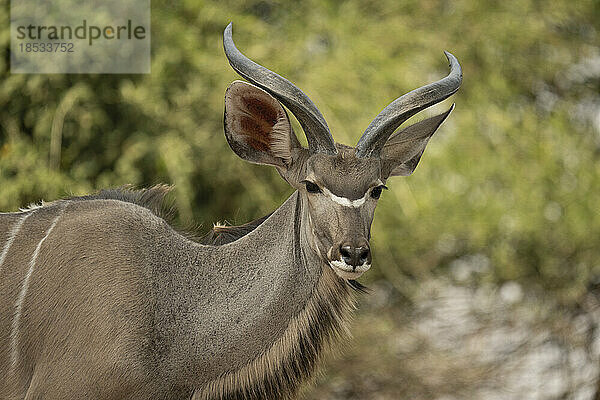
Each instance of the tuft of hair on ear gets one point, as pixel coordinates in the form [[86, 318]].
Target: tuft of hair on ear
[[280, 139]]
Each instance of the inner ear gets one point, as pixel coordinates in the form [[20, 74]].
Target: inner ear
[[257, 127]]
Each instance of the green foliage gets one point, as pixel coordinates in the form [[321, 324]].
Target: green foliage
[[512, 177]]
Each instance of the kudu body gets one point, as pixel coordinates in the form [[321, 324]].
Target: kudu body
[[101, 298]]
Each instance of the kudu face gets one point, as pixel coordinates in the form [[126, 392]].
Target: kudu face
[[339, 185], [341, 193]]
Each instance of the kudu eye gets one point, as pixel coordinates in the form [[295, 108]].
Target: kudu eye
[[312, 187], [376, 192]]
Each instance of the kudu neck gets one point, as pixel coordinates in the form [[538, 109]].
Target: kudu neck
[[236, 311], [283, 237]]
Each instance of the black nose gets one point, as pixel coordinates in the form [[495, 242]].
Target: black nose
[[355, 256]]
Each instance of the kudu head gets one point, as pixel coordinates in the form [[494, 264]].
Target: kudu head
[[339, 185]]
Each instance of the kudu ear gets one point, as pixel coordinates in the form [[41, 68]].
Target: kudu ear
[[403, 150], [257, 127]]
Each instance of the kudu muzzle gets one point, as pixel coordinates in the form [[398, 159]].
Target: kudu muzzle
[[350, 258], [353, 253], [350, 253]]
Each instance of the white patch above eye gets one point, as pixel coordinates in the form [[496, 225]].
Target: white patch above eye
[[343, 201]]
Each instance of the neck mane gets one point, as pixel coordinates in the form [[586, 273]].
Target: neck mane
[[278, 372]]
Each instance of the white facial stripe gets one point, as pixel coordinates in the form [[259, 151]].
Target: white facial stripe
[[14, 335], [343, 201]]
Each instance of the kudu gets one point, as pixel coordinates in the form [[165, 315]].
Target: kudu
[[102, 299]]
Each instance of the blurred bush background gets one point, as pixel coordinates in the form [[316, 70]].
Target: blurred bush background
[[487, 259]]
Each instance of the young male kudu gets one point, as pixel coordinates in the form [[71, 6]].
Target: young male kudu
[[100, 298]]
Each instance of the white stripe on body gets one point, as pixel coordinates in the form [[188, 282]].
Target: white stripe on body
[[11, 237], [14, 335]]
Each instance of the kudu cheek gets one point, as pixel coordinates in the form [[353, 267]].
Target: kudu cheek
[[324, 245], [317, 240]]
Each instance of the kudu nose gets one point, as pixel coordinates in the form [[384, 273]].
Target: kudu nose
[[355, 255]]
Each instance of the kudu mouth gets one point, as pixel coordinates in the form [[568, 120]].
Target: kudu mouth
[[349, 261]]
